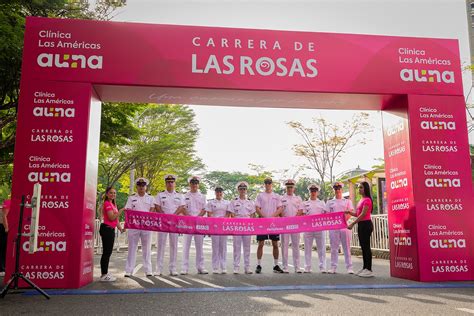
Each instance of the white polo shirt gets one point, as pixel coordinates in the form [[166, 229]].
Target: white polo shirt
[[291, 205], [312, 207], [195, 203], [339, 205], [140, 203], [218, 208], [268, 202], [169, 201], [242, 208]]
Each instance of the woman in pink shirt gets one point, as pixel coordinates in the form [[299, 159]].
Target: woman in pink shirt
[[364, 228], [107, 232]]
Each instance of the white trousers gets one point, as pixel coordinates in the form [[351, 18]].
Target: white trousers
[[336, 238], [134, 236], [219, 252], [173, 241], [295, 249], [239, 242], [308, 249], [198, 241]]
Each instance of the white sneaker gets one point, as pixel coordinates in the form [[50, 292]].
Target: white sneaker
[[236, 270], [350, 271], [359, 271], [248, 271], [332, 271], [366, 274], [107, 278], [127, 274], [148, 274], [307, 271], [215, 271], [323, 271], [203, 271], [224, 272], [184, 272], [174, 273], [157, 273]]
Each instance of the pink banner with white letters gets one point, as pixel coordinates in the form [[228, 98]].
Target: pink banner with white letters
[[232, 226]]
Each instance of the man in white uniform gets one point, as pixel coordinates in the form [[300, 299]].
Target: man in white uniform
[[311, 207], [195, 206], [241, 207], [268, 204], [168, 202], [140, 201], [340, 236], [218, 207], [292, 206]]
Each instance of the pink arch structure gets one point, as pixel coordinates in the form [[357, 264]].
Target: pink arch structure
[[70, 66]]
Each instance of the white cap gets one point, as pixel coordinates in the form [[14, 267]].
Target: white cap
[[290, 182], [241, 184], [170, 177], [194, 178], [142, 180], [314, 186]]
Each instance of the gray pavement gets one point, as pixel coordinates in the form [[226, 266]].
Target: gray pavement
[[267, 293]]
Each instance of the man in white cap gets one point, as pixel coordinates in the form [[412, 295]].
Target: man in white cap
[[218, 207], [311, 207], [195, 206], [140, 201], [292, 206], [268, 204], [168, 202], [241, 207], [340, 236]]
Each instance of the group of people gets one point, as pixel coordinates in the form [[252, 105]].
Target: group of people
[[267, 204]]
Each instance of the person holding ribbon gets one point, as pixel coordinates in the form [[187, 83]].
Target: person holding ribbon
[[311, 207], [218, 207], [268, 204], [140, 201], [241, 207], [292, 206], [168, 202], [195, 206], [340, 236], [364, 228], [107, 232]]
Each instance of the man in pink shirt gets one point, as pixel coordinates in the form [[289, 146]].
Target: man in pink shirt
[[268, 204]]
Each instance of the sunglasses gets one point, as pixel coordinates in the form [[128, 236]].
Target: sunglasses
[[141, 184], [313, 190], [242, 188], [337, 187], [169, 181], [194, 182], [268, 182]]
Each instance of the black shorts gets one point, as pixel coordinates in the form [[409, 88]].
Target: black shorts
[[265, 237]]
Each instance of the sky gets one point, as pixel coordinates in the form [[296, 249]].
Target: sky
[[232, 137]]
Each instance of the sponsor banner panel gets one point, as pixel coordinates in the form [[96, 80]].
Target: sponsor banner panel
[[52, 131], [232, 226], [443, 187], [401, 207], [229, 58]]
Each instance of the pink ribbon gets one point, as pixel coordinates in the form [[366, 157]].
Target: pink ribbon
[[232, 226]]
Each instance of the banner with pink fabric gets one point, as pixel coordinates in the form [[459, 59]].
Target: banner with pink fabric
[[232, 226]]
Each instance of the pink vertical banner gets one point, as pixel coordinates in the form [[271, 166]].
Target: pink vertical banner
[[404, 261], [51, 148], [442, 186]]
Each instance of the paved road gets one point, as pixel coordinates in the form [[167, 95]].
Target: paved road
[[267, 293]]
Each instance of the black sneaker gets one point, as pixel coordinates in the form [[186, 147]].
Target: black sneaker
[[277, 269], [258, 270]]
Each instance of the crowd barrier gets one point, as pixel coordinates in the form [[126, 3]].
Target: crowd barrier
[[379, 241]]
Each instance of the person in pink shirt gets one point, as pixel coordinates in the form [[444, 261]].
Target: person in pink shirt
[[4, 234], [268, 204], [107, 232], [364, 228]]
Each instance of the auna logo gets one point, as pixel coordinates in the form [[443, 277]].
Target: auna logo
[[442, 183], [438, 125], [53, 112], [69, 61], [447, 243], [48, 246], [49, 177], [427, 75], [400, 183]]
